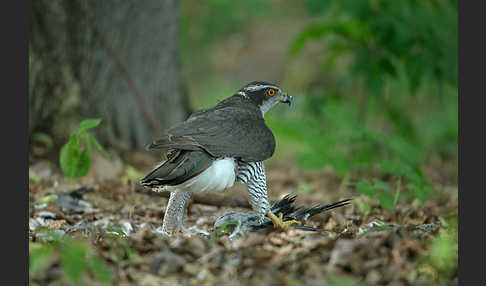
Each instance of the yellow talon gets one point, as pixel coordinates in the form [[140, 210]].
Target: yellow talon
[[279, 223]]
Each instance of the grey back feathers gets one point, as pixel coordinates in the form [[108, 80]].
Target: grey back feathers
[[233, 128]]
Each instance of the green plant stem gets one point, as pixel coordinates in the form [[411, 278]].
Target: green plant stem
[[397, 194]]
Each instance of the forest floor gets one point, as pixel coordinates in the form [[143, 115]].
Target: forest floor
[[115, 224]]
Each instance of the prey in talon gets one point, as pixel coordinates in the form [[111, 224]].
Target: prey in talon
[[293, 217], [278, 222]]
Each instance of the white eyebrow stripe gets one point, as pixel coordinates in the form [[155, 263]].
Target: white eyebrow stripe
[[258, 87]]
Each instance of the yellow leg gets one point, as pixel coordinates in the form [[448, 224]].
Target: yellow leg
[[279, 223]]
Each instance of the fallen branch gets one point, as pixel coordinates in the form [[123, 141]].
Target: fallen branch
[[214, 199]]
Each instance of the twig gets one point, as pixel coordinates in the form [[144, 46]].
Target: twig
[[397, 194]]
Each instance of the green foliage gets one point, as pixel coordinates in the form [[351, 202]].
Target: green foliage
[[331, 132], [39, 258], [76, 260], [73, 260], [381, 52], [75, 155], [100, 271], [46, 200], [226, 228], [119, 247], [44, 139], [115, 230], [442, 255], [382, 190], [383, 36], [33, 177], [332, 135]]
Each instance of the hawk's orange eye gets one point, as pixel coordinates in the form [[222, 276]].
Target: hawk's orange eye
[[271, 92]]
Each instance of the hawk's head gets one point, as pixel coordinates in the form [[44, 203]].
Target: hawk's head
[[265, 95]]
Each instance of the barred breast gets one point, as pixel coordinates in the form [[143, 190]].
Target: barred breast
[[253, 175]]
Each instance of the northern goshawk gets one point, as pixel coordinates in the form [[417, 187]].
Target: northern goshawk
[[216, 147]]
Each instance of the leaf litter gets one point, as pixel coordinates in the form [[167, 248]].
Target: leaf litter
[[376, 247]]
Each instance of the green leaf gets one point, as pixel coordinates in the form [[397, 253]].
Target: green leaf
[[380, 185], [73, 260], [443, 251], [100, 270], [97, 144], [421, 193], [74, 162], [75, 155], [89, 123], [415, 176], [33, 177], [39, 259], [84, 164], [117, 230], [68, 156], [390, 167], [444, 223], [365, 188], [43, 138], [46, 199], [387, 201]]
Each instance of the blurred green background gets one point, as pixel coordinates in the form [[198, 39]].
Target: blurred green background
[[374, 82]]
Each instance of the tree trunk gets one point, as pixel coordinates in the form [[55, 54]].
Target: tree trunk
[[124, 57]]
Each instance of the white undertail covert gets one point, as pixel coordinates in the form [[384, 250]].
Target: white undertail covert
[[219, 176]]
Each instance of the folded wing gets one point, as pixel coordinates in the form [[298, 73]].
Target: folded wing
[[224, 132]]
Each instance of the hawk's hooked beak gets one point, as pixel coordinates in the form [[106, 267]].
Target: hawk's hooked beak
[[286, 99]]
